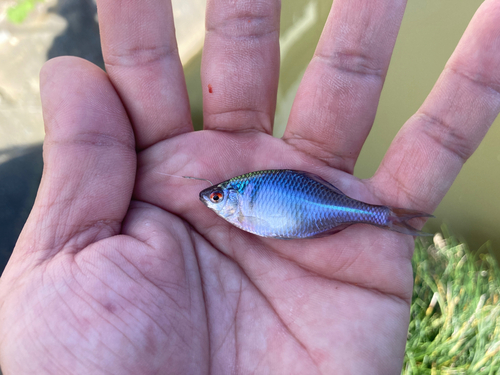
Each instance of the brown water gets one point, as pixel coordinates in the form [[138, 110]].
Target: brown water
[[429, 33]]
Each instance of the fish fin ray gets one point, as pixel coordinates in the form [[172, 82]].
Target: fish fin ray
[[331, 231], [398, 217], [252, 222]]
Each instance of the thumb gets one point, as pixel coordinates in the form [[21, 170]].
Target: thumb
[[89, 161]]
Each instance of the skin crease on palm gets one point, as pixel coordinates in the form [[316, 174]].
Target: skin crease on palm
[[122, 270]]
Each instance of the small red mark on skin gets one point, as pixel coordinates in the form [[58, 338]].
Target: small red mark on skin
[[210, 90]]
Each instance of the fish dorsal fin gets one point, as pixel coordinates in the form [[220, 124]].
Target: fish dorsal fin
[[322, 181]]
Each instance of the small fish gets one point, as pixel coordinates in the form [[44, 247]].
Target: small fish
[[290, 204]]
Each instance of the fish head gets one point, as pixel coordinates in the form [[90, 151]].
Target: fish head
[[221, 199]]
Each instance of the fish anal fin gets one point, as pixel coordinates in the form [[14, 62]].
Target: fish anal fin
[[331, 231]]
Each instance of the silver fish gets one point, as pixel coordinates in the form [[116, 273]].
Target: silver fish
[[288, 204]]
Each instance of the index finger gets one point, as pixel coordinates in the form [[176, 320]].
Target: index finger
[[429, 151], [141, 57]]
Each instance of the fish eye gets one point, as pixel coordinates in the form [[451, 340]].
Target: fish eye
[[216, 196]]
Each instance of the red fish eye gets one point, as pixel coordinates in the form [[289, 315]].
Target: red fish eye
[[216, 196]]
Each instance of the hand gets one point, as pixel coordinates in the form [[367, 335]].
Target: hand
[[122, 270]]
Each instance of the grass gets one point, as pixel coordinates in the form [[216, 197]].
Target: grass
[[455, 316]]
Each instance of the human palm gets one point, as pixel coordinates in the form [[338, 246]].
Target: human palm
[[123, 270]]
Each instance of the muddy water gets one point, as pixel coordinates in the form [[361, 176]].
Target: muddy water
[[429, 33]]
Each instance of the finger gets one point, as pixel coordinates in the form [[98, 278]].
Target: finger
[[89, 160], [141, 57], [429, 151], [336, 103], [240, 65]]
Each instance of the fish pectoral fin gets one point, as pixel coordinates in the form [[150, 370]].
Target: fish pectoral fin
[[329, 232], [252, 222]]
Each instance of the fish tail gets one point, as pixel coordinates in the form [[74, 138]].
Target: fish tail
[[398, 217]]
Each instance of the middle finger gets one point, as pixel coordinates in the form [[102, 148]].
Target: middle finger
[[240, 64]]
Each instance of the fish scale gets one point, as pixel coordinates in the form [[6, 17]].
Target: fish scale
[[291, 204], [309, 207]]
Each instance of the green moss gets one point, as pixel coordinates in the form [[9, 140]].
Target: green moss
[[17, 13], [455, 315]]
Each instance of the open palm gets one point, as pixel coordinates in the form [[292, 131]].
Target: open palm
[[121, 269]]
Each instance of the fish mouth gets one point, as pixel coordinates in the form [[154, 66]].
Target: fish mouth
[[204, 199]]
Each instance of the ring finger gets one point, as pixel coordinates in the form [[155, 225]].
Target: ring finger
[[336, 103]]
